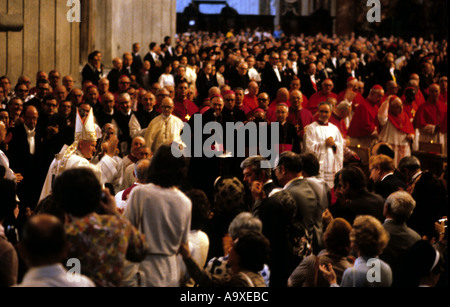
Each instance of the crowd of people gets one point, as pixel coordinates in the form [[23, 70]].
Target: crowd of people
[[89, 170]]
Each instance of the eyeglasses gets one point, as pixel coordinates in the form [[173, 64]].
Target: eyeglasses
[[166, 107]]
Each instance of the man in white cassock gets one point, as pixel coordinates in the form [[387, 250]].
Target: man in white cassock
[[165, 128], [78, 154], [325, 140]]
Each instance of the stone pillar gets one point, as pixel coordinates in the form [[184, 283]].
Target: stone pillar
[[120, 23], [47, 41]]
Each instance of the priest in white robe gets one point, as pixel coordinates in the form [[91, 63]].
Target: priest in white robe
[[325, 140], [165, 128]]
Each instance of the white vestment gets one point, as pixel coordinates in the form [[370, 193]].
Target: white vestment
[[60, 164], [135, 127], [5, 162], [391, 135], [163, 131], [330, 160]]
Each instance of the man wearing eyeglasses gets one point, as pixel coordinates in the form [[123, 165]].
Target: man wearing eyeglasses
[[322, 95], [165, 128], [42, 89]]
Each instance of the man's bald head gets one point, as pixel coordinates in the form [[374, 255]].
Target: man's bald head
[[43, 240]]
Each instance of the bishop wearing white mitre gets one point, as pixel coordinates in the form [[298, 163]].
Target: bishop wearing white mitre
[[76, 155]]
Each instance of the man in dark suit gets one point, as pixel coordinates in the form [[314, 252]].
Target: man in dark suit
[[170, 52], [137, 64], [271, 77], [429, 193], [51, 126], [24, 154], [238, 76], [397, 210], [115, 74], [105, 115], [155, 62], [144, 114], [257, 171], [42, 89], [277, 210], [386, 72], [382, 173], [93, 70], [310, 80], [359, 201], [128, 69], [123, 117]]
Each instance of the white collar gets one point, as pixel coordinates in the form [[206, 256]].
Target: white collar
[[387, 175], [28, 129]]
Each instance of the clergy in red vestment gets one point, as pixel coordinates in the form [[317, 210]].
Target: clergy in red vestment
[[320, 96], [363, 128], [351, 93], [282, 97], [340, 112], [409, 102], [183, 107], [251, 99], [396, 127], [296, 85], [299, 116], [430, 116], [414, 82]]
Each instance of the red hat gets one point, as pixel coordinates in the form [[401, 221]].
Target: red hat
[[377, 87], [229, 92], [350, 79]]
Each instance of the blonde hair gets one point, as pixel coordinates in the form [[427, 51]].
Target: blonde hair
[[369, 236], [385, 163]]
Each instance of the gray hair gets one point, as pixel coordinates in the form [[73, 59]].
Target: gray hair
[[140, 168], [410, 163], [259, 165], [244, 221], [327, 103], [343, 105], [400, 205], [124, 95]]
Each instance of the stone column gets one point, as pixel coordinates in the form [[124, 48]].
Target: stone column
[[120, 23], [47, 41]]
